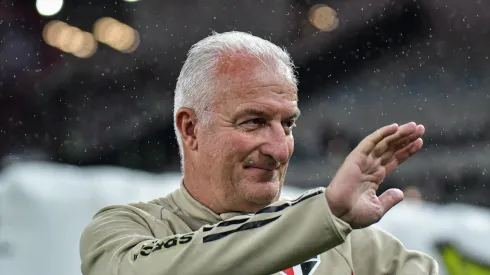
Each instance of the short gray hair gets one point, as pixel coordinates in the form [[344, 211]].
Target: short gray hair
[[196, 82]]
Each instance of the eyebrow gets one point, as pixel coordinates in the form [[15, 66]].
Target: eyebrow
[[261, 113]]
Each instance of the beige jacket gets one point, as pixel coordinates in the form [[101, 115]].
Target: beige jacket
[[177, 235]]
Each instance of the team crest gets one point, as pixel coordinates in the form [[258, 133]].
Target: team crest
[[306, 268]]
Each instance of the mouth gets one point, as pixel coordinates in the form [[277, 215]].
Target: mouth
[[259, 168]]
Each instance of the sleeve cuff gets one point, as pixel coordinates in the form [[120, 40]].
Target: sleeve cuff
[[342, 229]]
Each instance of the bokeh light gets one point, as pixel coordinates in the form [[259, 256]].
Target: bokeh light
[[69, 39], [323, 17], [49, 7], [116, 35]]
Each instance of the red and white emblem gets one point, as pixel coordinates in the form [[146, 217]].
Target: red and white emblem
[[306, 268]]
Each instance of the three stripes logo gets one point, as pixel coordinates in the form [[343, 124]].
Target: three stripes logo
[[246, 224], [306, 268]]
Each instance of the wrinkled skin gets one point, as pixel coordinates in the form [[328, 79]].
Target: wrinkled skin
[[237, 161], [240, 157]]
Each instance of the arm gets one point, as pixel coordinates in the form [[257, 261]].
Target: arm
[[119, 241], [374, 251]]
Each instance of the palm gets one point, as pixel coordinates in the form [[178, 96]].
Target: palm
[[352, 192]]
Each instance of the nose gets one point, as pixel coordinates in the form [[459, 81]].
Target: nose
[[277, 145]]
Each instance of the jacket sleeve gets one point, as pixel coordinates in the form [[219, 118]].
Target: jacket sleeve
[[119, 241], [375, 251]]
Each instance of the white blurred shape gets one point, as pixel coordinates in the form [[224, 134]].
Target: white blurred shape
[[49, 7]]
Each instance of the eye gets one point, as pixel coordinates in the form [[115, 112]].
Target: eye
[[255, 121], [289, 124], [253, 124]]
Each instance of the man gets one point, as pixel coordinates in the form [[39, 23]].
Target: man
[[235, 108]]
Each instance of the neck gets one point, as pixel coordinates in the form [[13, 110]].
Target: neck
[[199, 187]]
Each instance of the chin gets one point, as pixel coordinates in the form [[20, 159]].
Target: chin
[[263, 193]]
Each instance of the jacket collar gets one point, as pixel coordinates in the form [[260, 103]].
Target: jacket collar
[[195, 213]]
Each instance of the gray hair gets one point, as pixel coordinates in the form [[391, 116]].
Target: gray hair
[[197, 80]]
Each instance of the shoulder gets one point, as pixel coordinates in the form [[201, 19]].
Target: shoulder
[[137, 218], [373, 236], [375, 240], [369, 241], [142, 214], [145, 210]]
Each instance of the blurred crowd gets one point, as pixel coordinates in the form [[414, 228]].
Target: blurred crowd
[[361, 64]]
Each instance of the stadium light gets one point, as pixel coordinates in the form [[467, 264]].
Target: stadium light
[[323, 17], [69, 39], [116, 35], [49, 7]]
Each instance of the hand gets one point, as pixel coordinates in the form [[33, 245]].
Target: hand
[[351, 194]]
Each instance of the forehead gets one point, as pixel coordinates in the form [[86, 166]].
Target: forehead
[[243, 80]]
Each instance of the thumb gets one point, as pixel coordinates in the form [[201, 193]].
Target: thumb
[[390, 198]]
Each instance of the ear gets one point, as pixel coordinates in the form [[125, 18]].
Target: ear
[[186, 123]]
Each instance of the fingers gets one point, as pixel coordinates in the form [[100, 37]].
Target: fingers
[[401, 144], [419, 131], [367, 145], [390, 198], [387, 143], [403, 154]]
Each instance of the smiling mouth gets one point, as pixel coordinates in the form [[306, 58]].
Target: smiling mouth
[[259, 168]]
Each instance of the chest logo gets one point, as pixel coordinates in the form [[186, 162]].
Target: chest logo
[[306, 268]]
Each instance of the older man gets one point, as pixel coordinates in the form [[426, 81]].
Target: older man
[[235, 110]]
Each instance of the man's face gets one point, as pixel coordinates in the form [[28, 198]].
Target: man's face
[[247, 145]]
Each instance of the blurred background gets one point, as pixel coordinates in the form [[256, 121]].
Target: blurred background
[[86, 94]]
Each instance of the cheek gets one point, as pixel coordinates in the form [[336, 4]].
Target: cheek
[[226, 148], [209, 145], [240, 145]]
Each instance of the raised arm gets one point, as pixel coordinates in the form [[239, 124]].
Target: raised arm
[[119, 241]]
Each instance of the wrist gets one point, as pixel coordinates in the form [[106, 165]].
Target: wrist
[[336, 208]]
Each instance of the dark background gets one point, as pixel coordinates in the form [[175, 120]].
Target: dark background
[[388, 61]]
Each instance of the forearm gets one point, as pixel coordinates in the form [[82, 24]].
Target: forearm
[[275, 238]]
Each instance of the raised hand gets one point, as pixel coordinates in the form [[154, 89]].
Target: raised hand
[[351, 194]]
